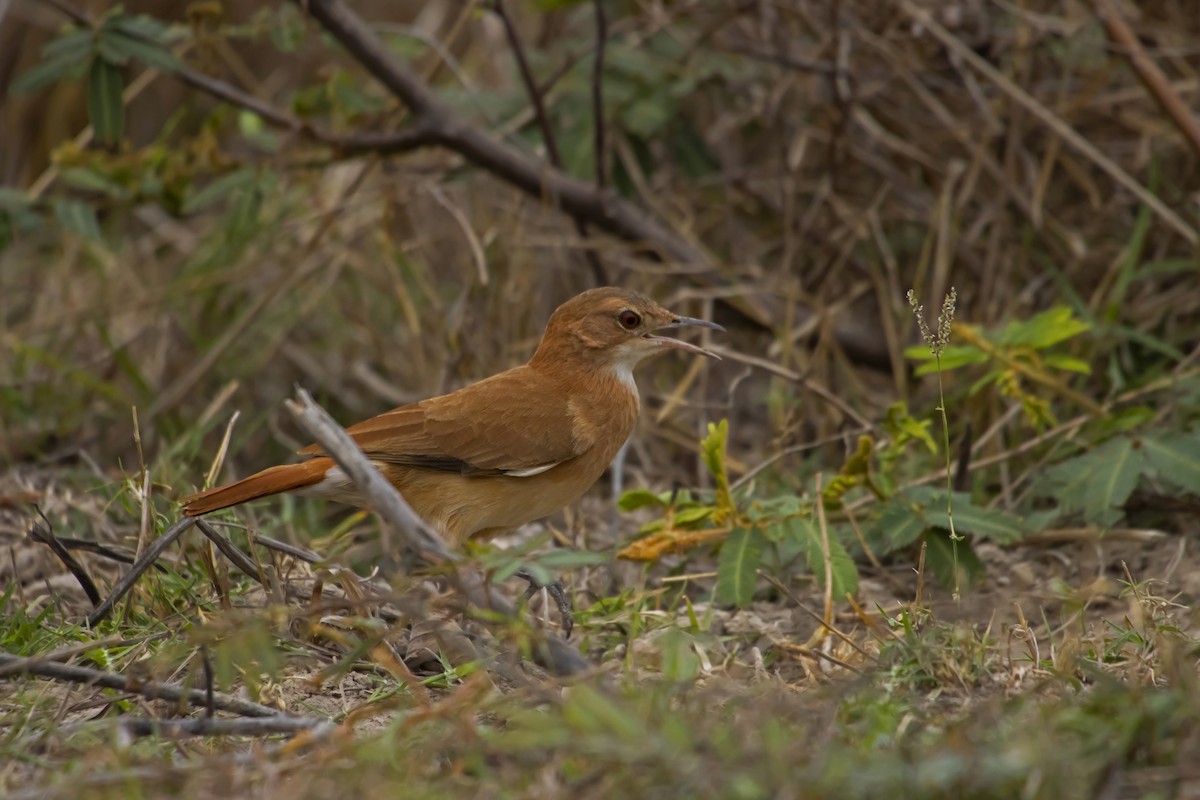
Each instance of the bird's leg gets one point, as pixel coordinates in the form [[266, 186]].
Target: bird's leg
[[557, 592]]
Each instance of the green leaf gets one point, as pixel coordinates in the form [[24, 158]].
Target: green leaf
[[841, 566], [1038, 521], [90, 180], [106, 109], [712, 450], [985, 523], [1096, 484], [218, 189], [15, 200], [47, 72], [78, 218], [939, 559], [288, 30], [1149, 342], [77, 42], [149, 53], [1044, 330], [1176, 459], [690, 516], [109, 50], [648, 115], [1117, 469], [1059, 361], [142, 26], [952, 357], [900, 523], [562, 559], [639, 498], [903, 428], [990, 377], [679, 660], [741, 555]]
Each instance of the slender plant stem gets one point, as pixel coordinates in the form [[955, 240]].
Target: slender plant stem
[[954, 537]]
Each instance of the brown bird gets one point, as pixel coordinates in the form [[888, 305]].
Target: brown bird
[[510, 449]]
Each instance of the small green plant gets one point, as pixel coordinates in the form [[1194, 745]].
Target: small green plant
[[1095, 485], [1022, 352], [937, 344], [100, 54], [776, 532]]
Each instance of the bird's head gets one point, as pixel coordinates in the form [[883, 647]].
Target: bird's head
[[614, 327]]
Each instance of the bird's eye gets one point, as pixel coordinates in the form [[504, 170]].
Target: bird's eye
[[629, 319]]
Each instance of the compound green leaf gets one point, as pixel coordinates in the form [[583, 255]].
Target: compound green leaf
[[741, 555]]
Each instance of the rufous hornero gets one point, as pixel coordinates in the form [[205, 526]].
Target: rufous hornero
[[510, 449]]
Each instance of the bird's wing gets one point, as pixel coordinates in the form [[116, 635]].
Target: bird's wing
[[513, 423]]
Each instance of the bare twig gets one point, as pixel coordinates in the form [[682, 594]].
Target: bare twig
[[112, 553], [307, 556], [415, 534], [537, 100], [447, 128], [598, 144], [141, 565], [152, 690], [45, 535], [69, 652], [1051, 120], [210, 726], [784, 59], [791, 375], [230, 551], [826, 624], [531, 87], [1150, 75]]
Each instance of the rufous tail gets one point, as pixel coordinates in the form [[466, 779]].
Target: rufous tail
[[285, 478]]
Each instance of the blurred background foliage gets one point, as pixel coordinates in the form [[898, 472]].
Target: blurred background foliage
[[203, 204], [164, 247]]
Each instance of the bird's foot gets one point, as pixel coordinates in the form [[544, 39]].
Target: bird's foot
[[556, 592]]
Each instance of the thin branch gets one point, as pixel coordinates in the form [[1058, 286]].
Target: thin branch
[[531, 87], [603, 209], [112, 553], [303, 554], [791, 375], [45, 535], [784, 60], [598, 144], [537, 100], [1048, 118], [416, 535], [152, 690], [1150, 75], [230, 551], [209, 726], [130, 578]]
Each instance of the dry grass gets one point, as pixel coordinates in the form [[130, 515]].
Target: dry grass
[[828, 155]]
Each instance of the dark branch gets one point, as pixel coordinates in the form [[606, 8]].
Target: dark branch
[[230, 551], [130, 578], [537, 99], [416, 535], [45, 535], [604, 210], [531, 87], [209, 726], [437, 124], [598, 94], [152, 690]]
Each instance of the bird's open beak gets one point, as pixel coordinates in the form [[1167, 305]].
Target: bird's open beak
[[683, 322]]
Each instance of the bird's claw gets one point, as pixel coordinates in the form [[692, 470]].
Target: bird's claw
[[557, 593]]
